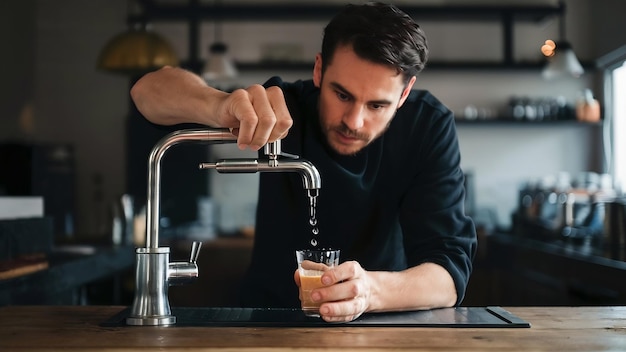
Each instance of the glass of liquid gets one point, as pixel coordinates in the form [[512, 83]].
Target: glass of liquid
[[311, 265]]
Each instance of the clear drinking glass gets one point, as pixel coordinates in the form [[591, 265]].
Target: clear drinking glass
[[311, 264]]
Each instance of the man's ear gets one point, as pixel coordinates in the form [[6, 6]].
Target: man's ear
[[317, 70], [406, 91]]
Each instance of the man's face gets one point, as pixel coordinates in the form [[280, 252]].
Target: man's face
[[358, 99]]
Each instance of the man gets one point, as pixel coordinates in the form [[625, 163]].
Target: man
[[392, 188]]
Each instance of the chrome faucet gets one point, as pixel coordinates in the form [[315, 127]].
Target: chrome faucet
[[153, 271]]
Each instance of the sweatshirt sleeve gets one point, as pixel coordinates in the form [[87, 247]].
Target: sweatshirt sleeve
[[432, 214]]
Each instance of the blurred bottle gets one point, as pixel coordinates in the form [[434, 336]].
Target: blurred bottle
[[587, 108], [122, 227]]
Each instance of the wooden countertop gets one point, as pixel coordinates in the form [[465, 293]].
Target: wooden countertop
[[52, 328]]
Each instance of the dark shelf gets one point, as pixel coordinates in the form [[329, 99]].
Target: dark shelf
[[193, 12], [288, 11], [484, 65], [432, 65], [477, 65], [275, 66], [510, 122]]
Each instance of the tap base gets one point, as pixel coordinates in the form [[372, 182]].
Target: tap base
[[151, 306], [163, 320]]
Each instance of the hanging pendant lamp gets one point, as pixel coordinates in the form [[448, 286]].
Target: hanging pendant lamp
[[136, 51], [561, 59], [219, 65]]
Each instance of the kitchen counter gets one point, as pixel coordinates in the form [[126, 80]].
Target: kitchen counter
[[77, 328], [70, 267]]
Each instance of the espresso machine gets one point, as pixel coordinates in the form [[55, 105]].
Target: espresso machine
[[154, 272], [588, 213]]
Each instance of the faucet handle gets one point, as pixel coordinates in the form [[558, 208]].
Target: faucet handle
[[273, 150], [195, 251], [180, 273]]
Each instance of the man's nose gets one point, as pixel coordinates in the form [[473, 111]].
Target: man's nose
[[354, 117]]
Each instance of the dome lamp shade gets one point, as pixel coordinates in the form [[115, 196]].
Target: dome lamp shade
[[136, 51]]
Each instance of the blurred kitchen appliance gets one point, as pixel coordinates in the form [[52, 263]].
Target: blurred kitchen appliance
[[46, 170], [615, 227], [560, 209]]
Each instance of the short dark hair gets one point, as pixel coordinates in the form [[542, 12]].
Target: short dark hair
[[380, 33]]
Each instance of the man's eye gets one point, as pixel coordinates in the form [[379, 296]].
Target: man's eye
[[342, 97]]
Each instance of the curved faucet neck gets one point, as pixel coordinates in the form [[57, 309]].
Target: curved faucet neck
[[311, 179], [153, 205]]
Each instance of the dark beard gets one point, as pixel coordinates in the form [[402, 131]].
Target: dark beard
[[345, 130]]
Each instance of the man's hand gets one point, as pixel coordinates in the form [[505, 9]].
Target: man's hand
[[173, 95], [256, 115], [349, 290], [346, 294]]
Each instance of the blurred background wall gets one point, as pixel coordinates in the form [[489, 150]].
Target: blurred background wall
[[51, 91]]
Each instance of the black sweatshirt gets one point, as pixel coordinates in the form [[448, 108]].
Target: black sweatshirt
[[396, 204]]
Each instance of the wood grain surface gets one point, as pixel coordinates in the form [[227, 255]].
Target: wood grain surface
[[76, 328], [22, 265]]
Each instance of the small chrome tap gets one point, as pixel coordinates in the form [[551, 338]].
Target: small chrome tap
[[310, 176], [153, 271]]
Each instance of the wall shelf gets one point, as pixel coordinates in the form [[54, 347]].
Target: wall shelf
[[193, 12], [539, 123], [431, 65], [290, 11]]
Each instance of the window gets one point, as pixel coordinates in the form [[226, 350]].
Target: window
[[614, 65], [619, 125]]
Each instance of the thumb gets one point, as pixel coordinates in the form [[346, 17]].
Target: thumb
[[296, 277]]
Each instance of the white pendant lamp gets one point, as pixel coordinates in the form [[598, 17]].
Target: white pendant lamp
[[562, 61], [219, 65]]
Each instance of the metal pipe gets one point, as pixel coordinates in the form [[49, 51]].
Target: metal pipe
[[154, 174]]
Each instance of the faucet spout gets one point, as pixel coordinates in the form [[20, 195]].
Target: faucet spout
[[311, 179]]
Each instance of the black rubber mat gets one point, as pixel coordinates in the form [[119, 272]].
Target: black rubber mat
[[460, 317]]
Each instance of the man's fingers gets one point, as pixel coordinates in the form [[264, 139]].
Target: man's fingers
[[282, 117], [263, 116], [241, 109], [266, 118], [346, 271]]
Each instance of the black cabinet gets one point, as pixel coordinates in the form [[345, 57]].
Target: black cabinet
[[46, 170], [517, 271]]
